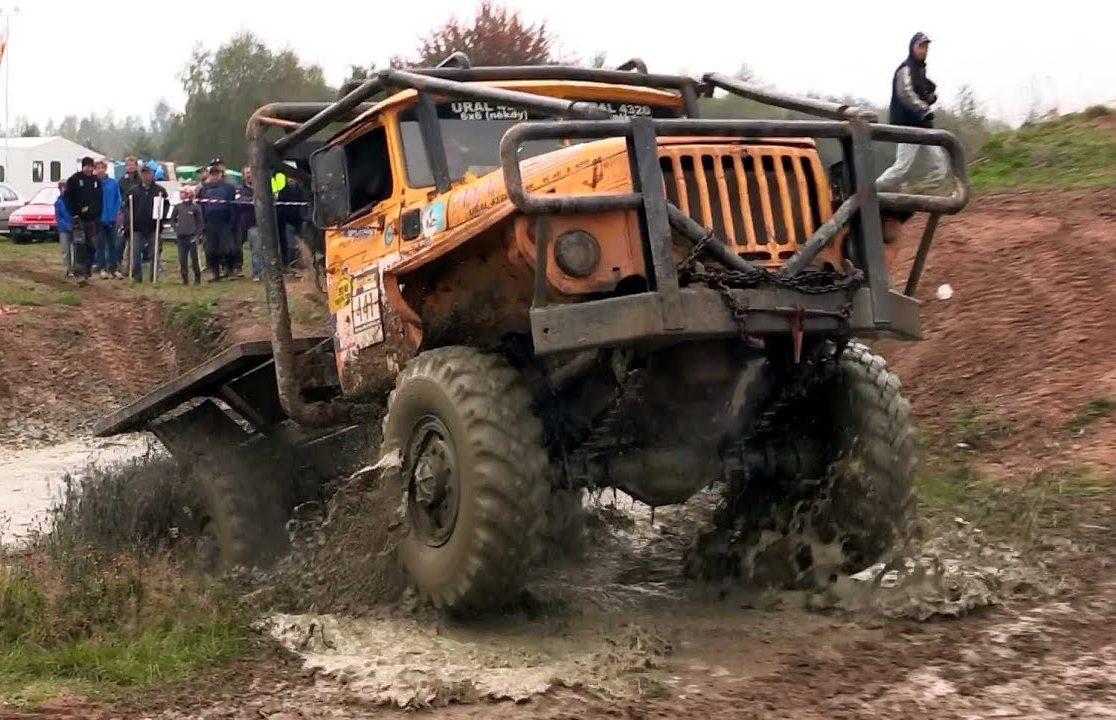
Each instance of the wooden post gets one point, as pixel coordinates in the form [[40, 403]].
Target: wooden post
[[158, 208], [131, 234]]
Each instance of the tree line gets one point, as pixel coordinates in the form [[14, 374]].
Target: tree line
[[223, 87]]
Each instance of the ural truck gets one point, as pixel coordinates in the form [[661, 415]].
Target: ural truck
[[543, 279]]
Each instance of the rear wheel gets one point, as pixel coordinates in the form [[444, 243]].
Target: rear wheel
[[837, 488], [474, 476]]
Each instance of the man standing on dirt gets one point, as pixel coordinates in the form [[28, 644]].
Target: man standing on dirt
[[217, 197], [144, 220], [913, 95], [84, 198], [108, 254]]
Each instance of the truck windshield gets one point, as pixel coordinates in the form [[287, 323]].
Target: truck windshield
[[471, 132]]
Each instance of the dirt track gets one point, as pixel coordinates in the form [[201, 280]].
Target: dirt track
[[1027, 338]]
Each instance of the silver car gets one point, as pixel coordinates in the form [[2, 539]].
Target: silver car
[[10, 201]]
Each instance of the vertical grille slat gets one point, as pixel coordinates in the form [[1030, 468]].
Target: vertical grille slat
[[723, 199], [764, 201]]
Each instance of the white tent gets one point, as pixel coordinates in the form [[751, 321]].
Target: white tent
[[28, 164]]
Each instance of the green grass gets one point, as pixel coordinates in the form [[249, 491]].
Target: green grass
[[112, 600], [951, 485], [1074, 151], [1090, 413], [20, 291]]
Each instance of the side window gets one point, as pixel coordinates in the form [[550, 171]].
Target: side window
[[7, 194], [55, 170], [1, 173], [369, 170], [37, 171]]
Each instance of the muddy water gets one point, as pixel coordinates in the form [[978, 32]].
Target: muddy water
[[30, 480], [614, 619]]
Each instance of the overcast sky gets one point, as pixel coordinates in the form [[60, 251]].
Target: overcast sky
[[76, 56]]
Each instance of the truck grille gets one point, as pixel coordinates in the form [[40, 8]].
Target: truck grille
[[764, 215]]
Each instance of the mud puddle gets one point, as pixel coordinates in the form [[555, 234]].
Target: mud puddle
[[31, 480], [617, 621]]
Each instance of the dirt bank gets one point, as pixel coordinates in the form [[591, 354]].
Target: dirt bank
[[1029, 336]]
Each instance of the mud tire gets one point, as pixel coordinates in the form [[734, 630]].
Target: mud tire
[[861, 497], [500, 460], [247, 514], [871, 496]]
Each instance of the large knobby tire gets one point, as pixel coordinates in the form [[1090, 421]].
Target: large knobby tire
[[852, 499], [872, 499], [246, 509], [474, 476]]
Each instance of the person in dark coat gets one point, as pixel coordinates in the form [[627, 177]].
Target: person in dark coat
[[146, 219], [84, 197], [188, 226], [913, 96], [217, 198]]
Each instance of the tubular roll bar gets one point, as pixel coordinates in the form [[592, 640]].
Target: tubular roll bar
[[854, 128]]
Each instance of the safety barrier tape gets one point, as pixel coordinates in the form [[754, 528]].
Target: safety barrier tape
[[207, 201]]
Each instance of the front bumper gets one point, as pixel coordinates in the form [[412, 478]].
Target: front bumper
[[639, 319]]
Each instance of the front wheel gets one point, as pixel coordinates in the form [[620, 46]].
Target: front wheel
[[474, 477]]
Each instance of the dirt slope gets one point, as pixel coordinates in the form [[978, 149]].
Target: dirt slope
[[1029, 335], [62, 366]]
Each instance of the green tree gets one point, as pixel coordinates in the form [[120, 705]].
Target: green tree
[[494, 36], [30, 130], [225, 87]]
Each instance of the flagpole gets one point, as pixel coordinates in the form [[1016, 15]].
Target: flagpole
[[7, 15]]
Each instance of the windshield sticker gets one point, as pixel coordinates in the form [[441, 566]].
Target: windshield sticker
[[433, 219], [486, 111]]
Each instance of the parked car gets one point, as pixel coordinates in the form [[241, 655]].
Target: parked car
[[10, 201], [35, 220]]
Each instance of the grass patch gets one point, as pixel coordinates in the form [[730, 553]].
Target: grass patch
[[977, 430], [109, 600], [19, 291], [1050, 497], [1070, 152], [1089, 414]]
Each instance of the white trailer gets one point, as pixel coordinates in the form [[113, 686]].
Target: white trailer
[[28, 164]]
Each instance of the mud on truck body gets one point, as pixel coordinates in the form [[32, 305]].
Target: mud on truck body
[[550, 279]]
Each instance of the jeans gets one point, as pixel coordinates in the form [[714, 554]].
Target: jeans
[[142, 248], [109, 251], [86, 234], [66, 241], [906, 155], [218, 248], [188, 250], [257, 253]]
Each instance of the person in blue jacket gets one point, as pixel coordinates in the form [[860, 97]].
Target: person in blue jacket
[[217, 198], [110, 251], [65, 230]]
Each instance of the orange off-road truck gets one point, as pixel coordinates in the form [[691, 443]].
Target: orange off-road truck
[[551, 279]]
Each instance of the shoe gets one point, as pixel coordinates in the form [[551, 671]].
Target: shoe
[[82, 282], [256, 279], [70, 274], [117, 276], [105, 275]]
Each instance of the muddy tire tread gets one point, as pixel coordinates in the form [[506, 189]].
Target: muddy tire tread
[[511, 492], [882, 419]]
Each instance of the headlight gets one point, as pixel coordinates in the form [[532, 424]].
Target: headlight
[[577, 253]]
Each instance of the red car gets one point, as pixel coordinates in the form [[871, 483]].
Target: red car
[[35, 220]]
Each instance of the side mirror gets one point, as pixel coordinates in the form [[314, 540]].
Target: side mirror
[[330, 173]]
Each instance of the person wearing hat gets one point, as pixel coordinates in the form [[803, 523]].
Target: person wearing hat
[[217, 197], [84, 198], [913, 96]]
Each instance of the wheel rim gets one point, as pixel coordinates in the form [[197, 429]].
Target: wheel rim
[[433, 482]]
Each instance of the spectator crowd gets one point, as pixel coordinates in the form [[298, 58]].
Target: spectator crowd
[[100, 219]]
